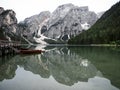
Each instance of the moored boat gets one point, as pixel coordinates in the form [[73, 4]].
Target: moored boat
[[30, 51]]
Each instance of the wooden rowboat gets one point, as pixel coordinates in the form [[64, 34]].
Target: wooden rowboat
[[26, 51], [30, 51]]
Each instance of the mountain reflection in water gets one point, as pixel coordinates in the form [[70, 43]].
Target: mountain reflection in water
[[59, 68]]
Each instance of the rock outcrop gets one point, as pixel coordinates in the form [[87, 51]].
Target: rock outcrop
[[9, 28], [100, 14], [33, 24], [65, 22], [8, 24], [68, 21], [105, 31], [1, 10]]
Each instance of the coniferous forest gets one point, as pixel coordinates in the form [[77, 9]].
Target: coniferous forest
[[105, 31]]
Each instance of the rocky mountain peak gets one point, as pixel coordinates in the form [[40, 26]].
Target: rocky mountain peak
[[64, 8], [83, 8], [8, 17], [34, 23], [99, 14], [105, 31], [60, 13], [43, 14], [8, 23], [1, 9], [65, 22], [68, 21]]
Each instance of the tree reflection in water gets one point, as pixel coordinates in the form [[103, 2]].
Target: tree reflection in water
[[65, 65]]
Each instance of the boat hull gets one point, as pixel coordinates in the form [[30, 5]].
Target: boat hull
[[30, 51]]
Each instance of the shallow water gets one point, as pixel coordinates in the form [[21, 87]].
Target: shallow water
[[62, 68]]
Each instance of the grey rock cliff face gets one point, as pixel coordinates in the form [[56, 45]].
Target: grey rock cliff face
[[65, 22], [59, 14], [8, 23], [68, 21], [100, 14], [1, 10], [34, 23]]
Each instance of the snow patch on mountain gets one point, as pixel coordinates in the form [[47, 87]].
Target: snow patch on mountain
[[68, 21], [64, 23], [41, 25], [85, 26], [41, 39]]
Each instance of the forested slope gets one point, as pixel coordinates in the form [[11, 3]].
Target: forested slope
[[105, 31]]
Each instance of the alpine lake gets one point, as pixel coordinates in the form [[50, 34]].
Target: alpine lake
[[62, 67]]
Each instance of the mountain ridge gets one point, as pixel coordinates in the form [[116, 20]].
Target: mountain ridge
[[105, 31], [65, 22]]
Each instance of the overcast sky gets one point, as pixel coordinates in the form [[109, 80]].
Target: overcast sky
[[27, 8]]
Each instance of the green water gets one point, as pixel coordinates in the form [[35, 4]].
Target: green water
[[62, 68]]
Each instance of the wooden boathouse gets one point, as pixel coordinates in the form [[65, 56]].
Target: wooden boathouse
[[8, 48]]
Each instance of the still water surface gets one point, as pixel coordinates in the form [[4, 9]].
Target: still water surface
[[62, 68]]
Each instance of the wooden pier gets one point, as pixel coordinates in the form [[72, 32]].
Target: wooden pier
[[8, 48]]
